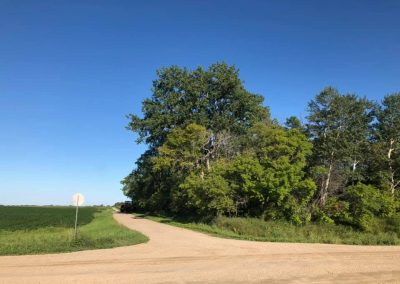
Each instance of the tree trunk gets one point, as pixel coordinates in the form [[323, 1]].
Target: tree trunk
[[324, 193], [325, 184], [354, 167], [392, 178], [389, 154], [392, 182]]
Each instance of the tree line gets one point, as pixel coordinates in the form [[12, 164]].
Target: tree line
[[213, 149]]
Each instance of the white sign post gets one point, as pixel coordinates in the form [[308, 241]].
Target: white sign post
[[77, 200]]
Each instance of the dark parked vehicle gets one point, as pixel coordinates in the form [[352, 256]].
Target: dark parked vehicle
[[126, 207]]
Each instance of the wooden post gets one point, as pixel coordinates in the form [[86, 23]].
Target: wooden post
[[76, 218]]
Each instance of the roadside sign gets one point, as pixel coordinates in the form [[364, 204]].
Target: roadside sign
[[77, 200]]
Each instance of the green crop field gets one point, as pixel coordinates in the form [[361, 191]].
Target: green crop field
[[36, 230]]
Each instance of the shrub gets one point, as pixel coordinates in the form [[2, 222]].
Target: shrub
[[365, 202], [320, 217], [209, 196], [338, 210]]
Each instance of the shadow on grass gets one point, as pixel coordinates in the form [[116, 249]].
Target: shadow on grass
[[139, 216], [167, 219]]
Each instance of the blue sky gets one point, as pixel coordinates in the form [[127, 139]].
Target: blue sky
[[71, 70]]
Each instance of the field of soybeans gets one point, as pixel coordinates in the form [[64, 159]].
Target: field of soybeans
[[38, 230]]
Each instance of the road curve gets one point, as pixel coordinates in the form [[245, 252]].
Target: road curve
[[176, 255]]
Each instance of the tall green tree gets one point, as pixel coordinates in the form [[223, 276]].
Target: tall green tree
[[214, 98], [388, 139], [339, 126], [192, 119], [148, 188], [283, 156]]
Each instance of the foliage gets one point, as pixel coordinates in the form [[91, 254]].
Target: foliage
[[388, 142], [209, 196], [264, 181], [282, 155], [294, 123], [214, 98], [183, 150], [365, 202], [213, 150], [339, 128], [245, 176], [359, 206]]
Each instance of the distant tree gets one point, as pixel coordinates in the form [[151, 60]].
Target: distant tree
[[294, 123]]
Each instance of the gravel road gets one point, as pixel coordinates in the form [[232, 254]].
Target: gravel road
[[176, 255]]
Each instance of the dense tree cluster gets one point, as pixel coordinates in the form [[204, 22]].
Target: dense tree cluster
[[214, 150]]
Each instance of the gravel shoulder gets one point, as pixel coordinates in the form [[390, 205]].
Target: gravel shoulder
[[176, 255]]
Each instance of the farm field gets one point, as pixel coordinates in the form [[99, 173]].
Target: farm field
[[385, 232], [38, 230]]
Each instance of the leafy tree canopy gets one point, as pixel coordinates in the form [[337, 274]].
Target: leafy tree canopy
[[214, 98]]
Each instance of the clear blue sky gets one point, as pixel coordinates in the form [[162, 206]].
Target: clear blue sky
[[71, 70]]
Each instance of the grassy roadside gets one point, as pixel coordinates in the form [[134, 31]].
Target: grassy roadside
[[38, 230], [276, 231]]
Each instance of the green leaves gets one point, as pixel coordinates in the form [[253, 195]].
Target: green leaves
[[282, 154], [388, 142], [213, 150], [214, 98], [209, 196], [339, 126], [183, 149]]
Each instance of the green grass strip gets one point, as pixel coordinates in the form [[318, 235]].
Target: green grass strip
[[277, 231]]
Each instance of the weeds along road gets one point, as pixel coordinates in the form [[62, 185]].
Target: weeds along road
[[176, 255]]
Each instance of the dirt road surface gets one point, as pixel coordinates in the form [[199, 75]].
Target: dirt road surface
[[175, 255]]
